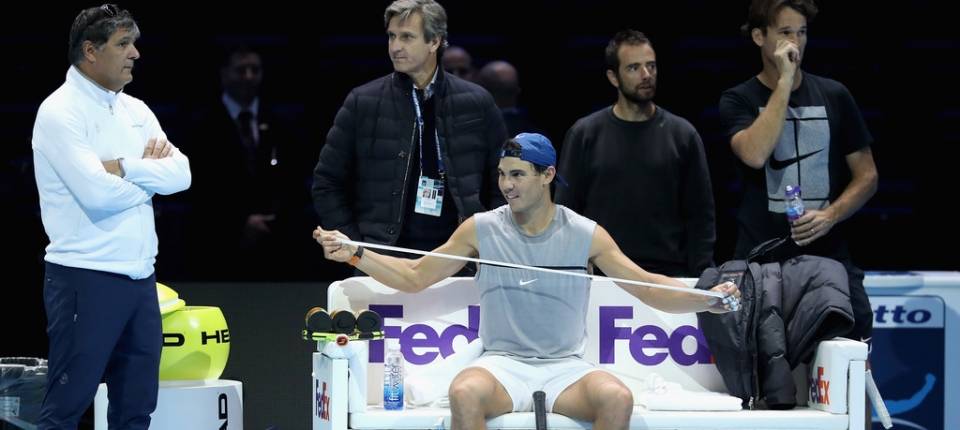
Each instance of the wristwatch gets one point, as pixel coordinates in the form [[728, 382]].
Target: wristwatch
[[355, 259]]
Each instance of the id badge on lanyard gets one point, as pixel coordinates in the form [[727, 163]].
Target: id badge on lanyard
[[429, 190], [429, 196]]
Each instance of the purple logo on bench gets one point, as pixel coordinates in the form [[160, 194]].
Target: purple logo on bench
[[650, 345], [422, 336]]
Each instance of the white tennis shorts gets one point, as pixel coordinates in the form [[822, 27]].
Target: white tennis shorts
[[522, 379]]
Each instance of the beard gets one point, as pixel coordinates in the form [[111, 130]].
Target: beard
[[635, 96]]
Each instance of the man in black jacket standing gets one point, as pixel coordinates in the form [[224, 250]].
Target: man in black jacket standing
[[411, 154], [253, 197]]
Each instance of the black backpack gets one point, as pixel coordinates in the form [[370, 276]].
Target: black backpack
[[747, 370], [730, 336]]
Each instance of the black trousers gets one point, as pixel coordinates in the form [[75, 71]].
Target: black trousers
[[102, 326]]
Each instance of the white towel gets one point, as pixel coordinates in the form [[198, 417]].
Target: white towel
[[357, 354], [429, 385], [661, 395]]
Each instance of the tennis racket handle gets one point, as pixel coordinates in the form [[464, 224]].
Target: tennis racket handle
[[540, 409]]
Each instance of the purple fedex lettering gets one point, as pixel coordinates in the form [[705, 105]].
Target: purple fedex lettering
[[650, 345], [422, 336]]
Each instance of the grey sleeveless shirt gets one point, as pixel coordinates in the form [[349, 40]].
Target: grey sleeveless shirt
[[527, 314]]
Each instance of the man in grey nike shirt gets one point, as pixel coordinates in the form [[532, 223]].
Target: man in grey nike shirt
[[533, 324]]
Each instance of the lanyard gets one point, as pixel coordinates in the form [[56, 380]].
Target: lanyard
[[436, 139]]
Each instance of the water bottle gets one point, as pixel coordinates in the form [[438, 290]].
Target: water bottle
[[393, 377], [794, 203]]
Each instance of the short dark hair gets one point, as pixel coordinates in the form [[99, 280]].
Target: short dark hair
[[96, 24], [629, 37], [762, 13], [230, 51]]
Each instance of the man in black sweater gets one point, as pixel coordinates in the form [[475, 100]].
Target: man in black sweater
[[640, 171]]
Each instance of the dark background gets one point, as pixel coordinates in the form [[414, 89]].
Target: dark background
[[898, 59]]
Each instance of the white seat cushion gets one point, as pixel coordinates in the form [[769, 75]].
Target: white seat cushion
[[434, 418]]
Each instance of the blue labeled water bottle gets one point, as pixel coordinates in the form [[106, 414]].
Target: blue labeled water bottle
[[794, 203], [393, 377]]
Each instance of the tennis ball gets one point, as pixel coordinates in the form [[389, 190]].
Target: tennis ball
[[169, 299]]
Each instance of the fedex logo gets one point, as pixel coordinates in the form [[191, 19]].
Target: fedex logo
[[650, 345], [421, 343], [323, 401], [819, 388]]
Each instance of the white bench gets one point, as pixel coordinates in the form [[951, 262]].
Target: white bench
[[439, 320]]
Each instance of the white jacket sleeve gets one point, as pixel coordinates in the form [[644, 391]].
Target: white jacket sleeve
[[162, 176], [59, 137]]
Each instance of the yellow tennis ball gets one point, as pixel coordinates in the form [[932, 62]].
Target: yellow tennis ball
[[196, 344], [169, 299]]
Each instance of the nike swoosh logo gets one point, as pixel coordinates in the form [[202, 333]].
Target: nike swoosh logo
[[781, 164], [525, 283]]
